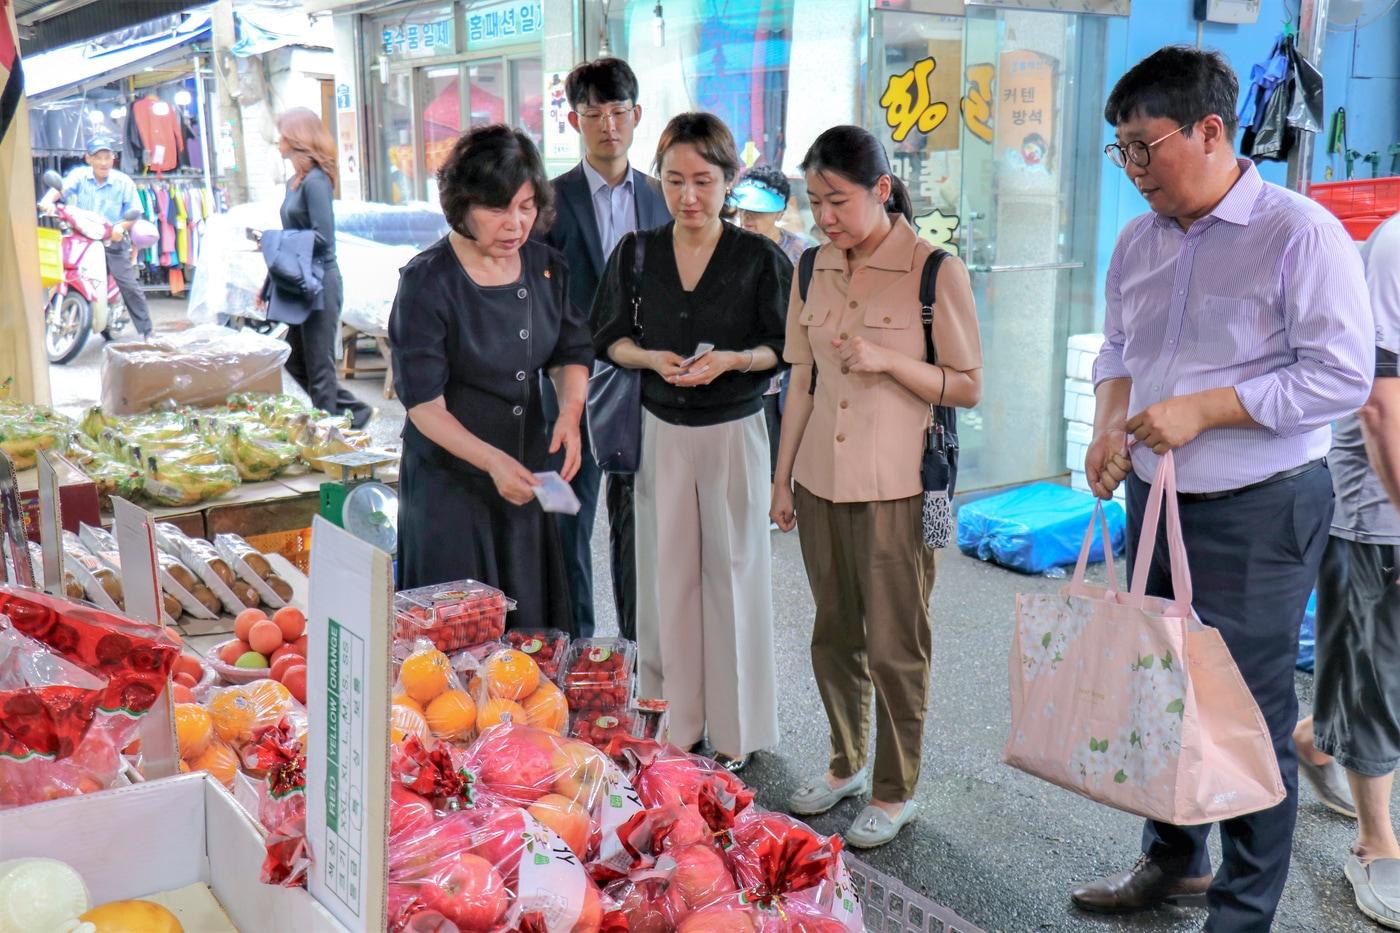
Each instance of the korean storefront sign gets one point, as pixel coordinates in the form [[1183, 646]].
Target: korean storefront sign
[[1025, 114], [421, 33], [509, 22], [920, 107]]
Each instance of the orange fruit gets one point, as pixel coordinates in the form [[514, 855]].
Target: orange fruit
[[403, 699], [511, 674], [220, 761], [234, 714], [452, 715], [424, 674], [547, 708], [404, 722], [495, 710], [271, 701], [194, 729]]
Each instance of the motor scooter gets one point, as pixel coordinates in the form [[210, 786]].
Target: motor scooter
[[87, 300]]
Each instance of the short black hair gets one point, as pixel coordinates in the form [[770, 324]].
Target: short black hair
[[487, 166], [1180, 83], [601, 81], [770, 177]]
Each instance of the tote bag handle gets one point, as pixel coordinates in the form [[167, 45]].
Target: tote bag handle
[[1077, 586], [1163, 488]]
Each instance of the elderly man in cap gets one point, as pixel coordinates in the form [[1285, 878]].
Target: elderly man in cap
[[761, 198], [100, 188]]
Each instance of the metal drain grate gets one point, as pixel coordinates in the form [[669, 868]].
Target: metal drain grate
[[890, 907]]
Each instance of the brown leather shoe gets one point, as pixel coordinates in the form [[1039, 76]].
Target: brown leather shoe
[[1147, 884]]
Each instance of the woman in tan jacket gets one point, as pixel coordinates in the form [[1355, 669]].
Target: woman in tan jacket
[[848, 468]]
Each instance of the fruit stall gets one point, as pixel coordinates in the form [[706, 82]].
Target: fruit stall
[[506, 780]]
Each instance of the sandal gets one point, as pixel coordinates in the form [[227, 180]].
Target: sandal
[[816, 797], [874, 827]]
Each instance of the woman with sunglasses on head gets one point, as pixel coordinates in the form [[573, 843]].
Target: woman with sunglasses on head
[[704, 600], [849, 468]]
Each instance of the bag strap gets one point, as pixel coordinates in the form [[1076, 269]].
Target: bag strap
[[1163, 488], [928, 286], [1098, 519], [639, 253], [805, 264]]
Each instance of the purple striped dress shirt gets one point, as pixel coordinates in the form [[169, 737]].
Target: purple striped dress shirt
[[1266, 294]]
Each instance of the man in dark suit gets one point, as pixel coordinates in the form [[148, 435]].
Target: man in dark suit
[[598, 201]]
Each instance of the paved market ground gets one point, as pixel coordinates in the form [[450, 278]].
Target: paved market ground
[[999, 848]]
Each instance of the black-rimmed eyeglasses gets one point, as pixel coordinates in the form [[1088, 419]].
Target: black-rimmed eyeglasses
[[1137, 152]]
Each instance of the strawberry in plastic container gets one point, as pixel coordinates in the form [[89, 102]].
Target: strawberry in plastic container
[[546, 646], [598, 673]]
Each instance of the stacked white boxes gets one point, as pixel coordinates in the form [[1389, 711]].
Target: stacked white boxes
[[1079, 406]]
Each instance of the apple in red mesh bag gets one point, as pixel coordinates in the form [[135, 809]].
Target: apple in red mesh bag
[[699, 874], [511, 762], [408, 812], [467, 890], [718, 920]]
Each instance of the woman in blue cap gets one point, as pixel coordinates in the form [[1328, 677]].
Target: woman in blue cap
[[761, 197]]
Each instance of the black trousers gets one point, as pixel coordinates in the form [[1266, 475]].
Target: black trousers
[[312, 363], [773, 415], [576, 534], [119, 264], [1254, 558], [622, 548]]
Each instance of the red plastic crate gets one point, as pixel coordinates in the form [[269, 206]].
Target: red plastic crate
[[1360, 197]]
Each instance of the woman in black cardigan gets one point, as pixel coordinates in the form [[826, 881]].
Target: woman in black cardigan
[[303, 139]]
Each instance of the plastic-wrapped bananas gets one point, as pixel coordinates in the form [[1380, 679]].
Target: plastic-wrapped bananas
[[180, 484], [27, 429], [256, 458]]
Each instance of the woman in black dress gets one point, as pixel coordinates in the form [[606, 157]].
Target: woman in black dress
[[478, 315], [303, 139]]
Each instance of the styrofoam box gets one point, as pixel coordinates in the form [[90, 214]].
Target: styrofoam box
[[1079, 401], [1077, 438], [1083, 349], [184, 835]]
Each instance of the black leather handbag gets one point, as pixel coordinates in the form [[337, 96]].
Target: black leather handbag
[[614, 403]]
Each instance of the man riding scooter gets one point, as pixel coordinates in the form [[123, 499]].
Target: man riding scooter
[[100, 188]]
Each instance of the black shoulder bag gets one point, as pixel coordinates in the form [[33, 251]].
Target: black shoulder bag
[[614, 402], [939, 469]]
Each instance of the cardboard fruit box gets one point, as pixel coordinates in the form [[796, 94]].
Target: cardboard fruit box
[[182, 842]]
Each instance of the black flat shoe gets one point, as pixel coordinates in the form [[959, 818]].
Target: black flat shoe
[[732, 765]]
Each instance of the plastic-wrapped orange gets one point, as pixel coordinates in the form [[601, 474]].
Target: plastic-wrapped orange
[[511, 674], [452, 715], [424, 674], [547, 709], [194, 729], [132, 917], [234, 716], [404, 722], [220, 761], [495, 710]]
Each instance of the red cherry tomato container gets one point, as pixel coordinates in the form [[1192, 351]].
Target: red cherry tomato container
[[452, 615], [597, 674], [547, 646], [597, 727]]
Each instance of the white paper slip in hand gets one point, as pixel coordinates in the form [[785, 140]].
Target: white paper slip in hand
[[555, 495]]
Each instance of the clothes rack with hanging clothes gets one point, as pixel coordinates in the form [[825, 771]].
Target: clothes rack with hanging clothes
[[179, 206]]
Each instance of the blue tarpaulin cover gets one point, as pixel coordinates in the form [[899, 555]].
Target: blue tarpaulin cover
[[1035, 527], [1307, 636]]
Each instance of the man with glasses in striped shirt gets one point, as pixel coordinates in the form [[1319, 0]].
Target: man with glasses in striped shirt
[[1237, 328]]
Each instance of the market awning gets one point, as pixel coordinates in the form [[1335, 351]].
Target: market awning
[[48, 24], [56, 73]]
